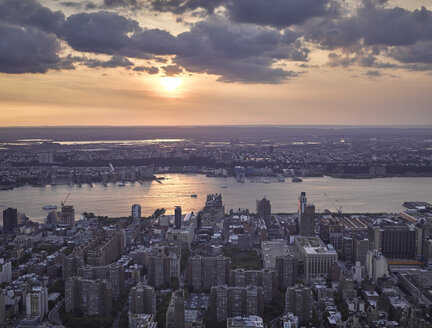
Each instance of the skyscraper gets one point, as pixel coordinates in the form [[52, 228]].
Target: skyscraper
[[264, 209], [10, 219], [136, 211], [306, 216], [178, 217], [175, 316], [68, 215]]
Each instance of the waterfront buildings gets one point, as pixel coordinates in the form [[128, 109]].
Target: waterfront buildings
[[68, 215], [136, 211], [306, 216], [10, 220]]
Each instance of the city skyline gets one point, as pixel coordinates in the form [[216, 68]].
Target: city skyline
[[283, 62]]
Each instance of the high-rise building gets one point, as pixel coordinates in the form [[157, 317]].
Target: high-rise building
[[178, 217], [332, 232], [175, 316], [206, 272], [68, 215], [114, 273], [161, 268], [286, 269], [396, 241], [298, 300], [136, 211], [263, 209], [142, 299], [227, 302], [306, 216], [376, 265], [37, 302], [10, 220], [91, 296], [71, 264], [266, 279]]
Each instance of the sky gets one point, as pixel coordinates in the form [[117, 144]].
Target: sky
[[215, 62]]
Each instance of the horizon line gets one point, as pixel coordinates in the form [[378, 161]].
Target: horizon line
[[226, 126]]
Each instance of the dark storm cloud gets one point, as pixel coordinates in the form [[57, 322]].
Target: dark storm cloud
[[31, 13], [236, 52], [101, 32], [420, 52], [29, 51], [372, 25], [279, 13]]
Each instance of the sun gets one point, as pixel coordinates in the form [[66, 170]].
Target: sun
[[170, 83]]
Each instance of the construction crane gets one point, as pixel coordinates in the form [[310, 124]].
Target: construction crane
[[64, 202], [338, 210]]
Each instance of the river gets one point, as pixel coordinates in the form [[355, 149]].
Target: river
[[354, 195]]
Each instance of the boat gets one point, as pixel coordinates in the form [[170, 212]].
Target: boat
[[49, 207], [224, 186], [121, 184], [296, 179], [194, 195]]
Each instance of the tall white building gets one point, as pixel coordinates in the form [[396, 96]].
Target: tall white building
[[376, 265], [37, 302], [136, 211]]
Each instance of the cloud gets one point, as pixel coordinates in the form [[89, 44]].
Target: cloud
[[420, 52], [182, 6], [31, 13], [279, 13], [115, 61], [372, 25], [150, 69], [29, 50], [237, 52], [101, 32], [172, 70]]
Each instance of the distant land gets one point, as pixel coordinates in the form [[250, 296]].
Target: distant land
[[8, 134]]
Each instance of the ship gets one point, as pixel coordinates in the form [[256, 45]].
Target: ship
[[49, 207]]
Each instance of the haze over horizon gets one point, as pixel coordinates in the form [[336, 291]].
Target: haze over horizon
[[215, 62]]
